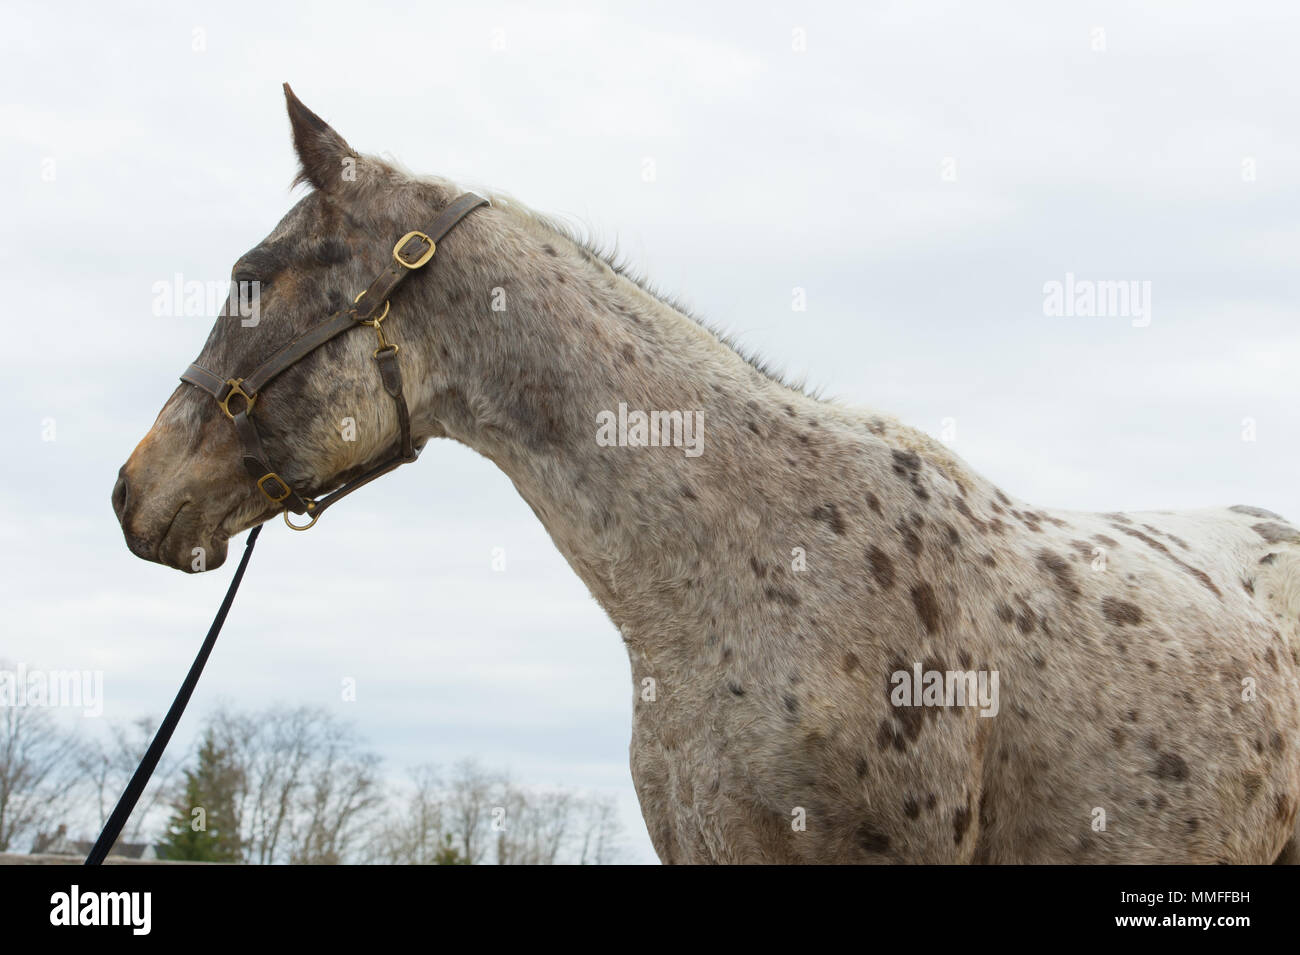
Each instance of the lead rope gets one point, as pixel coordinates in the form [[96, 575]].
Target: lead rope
[[122, 811]]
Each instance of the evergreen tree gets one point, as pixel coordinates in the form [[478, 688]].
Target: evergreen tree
[[448, 854], [204, 826]]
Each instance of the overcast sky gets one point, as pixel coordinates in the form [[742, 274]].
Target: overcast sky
[[922, 170]]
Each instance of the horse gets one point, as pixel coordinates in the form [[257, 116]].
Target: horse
[[846, 645]]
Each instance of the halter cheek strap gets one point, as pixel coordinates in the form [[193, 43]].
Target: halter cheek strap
[[238, 396]]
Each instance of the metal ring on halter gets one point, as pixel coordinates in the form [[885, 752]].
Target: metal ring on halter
[[235, 389], [374, 322], [311, 506]]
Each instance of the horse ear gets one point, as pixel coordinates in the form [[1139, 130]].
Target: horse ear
[[322, 152]]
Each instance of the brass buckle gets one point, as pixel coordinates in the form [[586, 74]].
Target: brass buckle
[[261, 486], [311, 506], [397, 250], [235, 389]]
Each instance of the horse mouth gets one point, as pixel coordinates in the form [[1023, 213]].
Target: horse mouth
[[162, 541], [186, 545]]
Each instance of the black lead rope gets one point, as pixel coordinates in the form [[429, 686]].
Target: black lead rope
[[122, 811]]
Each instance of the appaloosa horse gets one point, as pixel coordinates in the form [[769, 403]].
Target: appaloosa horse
[[784, 589]]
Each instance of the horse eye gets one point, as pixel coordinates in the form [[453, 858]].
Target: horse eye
[[247, 278]]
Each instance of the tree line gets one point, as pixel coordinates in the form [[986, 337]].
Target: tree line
[[289, 785]]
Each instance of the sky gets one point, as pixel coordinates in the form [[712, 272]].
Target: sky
[[920, 172]]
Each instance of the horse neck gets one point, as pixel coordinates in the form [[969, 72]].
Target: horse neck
[[552, 343]]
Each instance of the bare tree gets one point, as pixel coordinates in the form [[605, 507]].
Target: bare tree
[[412, 831], [108, 766], [533, 827], [271, 750], [38, 767], [475, 815], [308, 784], [339, 793], [471, 797], [600, 832]]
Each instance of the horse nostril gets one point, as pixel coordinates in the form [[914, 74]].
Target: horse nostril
[[119, 494]]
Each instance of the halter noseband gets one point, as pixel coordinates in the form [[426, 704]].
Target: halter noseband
[[413, 251]]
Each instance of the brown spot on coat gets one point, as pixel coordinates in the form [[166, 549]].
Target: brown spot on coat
[[1253, 783], [1200, 575], [882, 568], [907, 464], [1281, 807], [960, 823], [872, 839], [927, 607], [1120, 612], [1056, 565], [1276, 533], [1171, 766], [781, 595], [887, 735], [1025, 618], [911, 540], [1255, 511], [911, 718], [964, 510], [830, 514], [1030, 520]]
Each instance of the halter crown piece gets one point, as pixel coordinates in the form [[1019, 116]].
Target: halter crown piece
[[412, 252]]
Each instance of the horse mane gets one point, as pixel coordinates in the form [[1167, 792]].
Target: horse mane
[[585, 238]]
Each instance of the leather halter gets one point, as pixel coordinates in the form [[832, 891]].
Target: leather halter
[[412, 252]]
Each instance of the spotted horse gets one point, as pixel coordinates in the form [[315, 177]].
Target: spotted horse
[[771, 589]]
